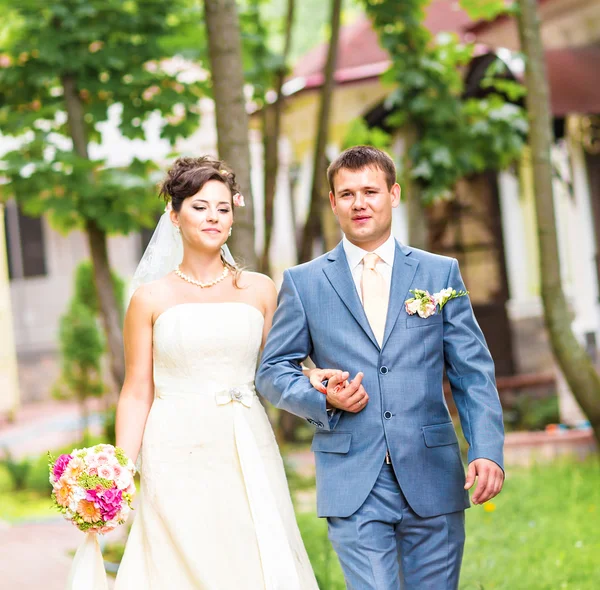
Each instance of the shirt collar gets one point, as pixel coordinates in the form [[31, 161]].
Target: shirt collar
[[355, 254]]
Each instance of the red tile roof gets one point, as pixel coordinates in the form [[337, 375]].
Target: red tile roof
[[571, 75], [571, 71], [359, 45]]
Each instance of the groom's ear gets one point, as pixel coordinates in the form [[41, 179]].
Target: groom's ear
[[396, 192]]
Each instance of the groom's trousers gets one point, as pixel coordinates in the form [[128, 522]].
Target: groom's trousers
[[384, 545]]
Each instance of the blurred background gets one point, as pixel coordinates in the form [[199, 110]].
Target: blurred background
[[491, 113]]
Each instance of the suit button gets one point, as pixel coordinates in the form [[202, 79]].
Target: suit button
[[383, 370], [387, 415]]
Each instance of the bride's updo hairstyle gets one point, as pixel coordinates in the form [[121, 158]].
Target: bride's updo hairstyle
[[186, 178]]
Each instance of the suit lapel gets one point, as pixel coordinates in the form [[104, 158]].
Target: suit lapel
[[338, 274], [403, 274]]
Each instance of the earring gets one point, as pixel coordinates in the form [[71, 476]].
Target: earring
[[230, 231], [178, 230]]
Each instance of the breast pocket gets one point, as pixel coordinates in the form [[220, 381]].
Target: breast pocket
[[416, 321]]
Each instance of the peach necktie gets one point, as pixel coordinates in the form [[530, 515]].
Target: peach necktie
[[375, 295]]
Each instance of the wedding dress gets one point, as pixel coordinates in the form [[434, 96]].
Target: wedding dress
[[214, 510]]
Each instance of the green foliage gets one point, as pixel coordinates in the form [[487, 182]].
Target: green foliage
[[109, 426], [85, 287], [531, 413], [116, 53], [487, 9], [261, 63], [311, 24], [90, 482], [82, 347], [359, 133], [18, 470], [455, 137]]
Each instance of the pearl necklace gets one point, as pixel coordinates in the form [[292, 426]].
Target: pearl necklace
[[198, 283]]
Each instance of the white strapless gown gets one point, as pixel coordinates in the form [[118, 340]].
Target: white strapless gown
[[214, 510]]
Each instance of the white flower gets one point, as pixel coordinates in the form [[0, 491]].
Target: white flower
[[441, 297], [413, 306]]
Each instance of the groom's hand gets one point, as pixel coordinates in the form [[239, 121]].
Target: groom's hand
[[350, 397], [490, 479]]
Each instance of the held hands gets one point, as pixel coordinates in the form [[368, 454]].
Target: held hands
[[341, 394], [490, 479], [348, 396]]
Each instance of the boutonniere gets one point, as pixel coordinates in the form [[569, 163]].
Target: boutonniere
[[426, 304]]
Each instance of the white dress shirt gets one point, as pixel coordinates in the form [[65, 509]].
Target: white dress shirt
[[355, 255]]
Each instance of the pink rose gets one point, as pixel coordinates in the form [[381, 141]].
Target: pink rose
[[106, 472], [102, 458], [60, 465]]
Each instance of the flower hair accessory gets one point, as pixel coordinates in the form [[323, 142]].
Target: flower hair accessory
[[169, 207], [425, 304], [238, 200]]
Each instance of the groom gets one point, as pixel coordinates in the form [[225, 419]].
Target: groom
[[390, 479]]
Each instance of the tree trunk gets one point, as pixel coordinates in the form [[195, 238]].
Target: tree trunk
[[225, 55], [97, 240], [319, 202], [577, 367], [107, 300], [271, 131], [415, 210], [85, 418]]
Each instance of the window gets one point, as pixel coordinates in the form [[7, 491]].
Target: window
[[25, 244]]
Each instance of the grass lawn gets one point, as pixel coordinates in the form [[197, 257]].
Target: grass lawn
[[541, 533], [34, 501], [22, 505]]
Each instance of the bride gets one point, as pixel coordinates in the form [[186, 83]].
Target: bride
[[214, 511]]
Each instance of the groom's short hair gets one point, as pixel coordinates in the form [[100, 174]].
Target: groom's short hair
[[359, 157]]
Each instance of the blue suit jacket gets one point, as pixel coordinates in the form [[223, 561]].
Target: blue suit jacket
[[320, 315]]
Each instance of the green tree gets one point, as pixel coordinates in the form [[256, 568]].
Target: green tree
[[82, 345], [227, 77], [64, 67], [448, 137], [271, 130], [319, 220], [579, 371]]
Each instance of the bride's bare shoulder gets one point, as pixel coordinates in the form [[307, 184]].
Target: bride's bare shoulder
[[257, 280], [151, 296]]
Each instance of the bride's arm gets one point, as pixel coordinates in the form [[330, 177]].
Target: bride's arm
[[137, 393]]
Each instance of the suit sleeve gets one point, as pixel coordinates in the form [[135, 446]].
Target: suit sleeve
[[470, 370], [279, 377]]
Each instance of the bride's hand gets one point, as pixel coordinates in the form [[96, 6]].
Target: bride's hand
[[317, 376]]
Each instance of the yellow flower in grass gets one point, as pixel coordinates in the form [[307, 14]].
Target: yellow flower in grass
[[489, 507], [62, 493], [88, 511]]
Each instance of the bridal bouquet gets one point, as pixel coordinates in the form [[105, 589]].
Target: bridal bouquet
[[93, 488]]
